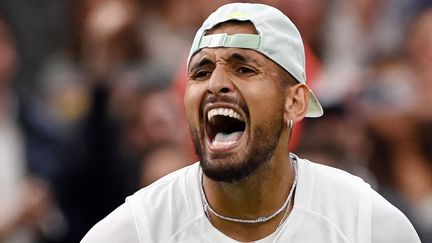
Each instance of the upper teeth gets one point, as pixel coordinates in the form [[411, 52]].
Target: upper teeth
[[223, 112]]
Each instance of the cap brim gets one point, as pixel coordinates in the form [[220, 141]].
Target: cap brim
[[315, 109]]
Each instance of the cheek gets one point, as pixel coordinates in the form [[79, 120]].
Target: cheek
[[265, 103], [192, 101]]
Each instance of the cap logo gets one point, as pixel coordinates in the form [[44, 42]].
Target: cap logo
[[237, 15]]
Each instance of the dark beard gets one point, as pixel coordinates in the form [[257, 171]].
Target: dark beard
[[261, 150]]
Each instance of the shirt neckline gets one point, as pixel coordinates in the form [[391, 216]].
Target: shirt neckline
[[287, 228]]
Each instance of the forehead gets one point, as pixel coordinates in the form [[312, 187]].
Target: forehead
[[233, 27]]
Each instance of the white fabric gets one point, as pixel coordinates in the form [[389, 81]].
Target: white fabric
[[330, 206], [12, 177]]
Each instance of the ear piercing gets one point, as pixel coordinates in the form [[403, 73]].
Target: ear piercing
[[290, 123]]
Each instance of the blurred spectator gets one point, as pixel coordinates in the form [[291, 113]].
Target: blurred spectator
[[340, 144], [134, 111], [156, 119], [309, 17], [41, 27], [147, 109], [27, 209], [168, 26], [106, 35], [418, 42], [64, 93], [93, 178], [389, 106], [160, 160], [357, 31]]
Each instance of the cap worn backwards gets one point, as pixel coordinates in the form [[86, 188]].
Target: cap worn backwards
[[277, 38]]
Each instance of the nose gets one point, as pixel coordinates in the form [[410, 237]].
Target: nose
[[219, 82]]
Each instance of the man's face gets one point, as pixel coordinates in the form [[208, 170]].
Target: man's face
[[234, 105]]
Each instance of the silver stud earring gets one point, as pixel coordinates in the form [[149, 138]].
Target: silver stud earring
[[290, 124]]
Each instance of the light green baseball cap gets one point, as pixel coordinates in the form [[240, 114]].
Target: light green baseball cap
[[277, 38]]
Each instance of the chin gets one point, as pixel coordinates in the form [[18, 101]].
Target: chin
[[229, 169], [233, 167]]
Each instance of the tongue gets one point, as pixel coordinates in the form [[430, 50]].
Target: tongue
[[227, 138]]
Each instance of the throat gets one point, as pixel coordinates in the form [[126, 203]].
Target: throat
[[229, 192]]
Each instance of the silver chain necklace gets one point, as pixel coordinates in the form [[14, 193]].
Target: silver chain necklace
[[261, 219]]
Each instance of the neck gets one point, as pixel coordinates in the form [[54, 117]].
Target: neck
[[251, 196], [258, 195]]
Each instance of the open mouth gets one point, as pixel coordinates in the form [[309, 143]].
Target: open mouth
[[224, 127]]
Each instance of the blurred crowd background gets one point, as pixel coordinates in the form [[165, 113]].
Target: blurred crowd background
[[91, 103]]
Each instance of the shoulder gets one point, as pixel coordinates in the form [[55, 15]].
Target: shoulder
[[338, 181], [117, 227], [164, 207], [351, 205], [389, 224], [334, 199], [152, 214], [175, 184]]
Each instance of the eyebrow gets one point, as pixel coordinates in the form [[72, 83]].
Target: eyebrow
[[237, 57], [234, 57]]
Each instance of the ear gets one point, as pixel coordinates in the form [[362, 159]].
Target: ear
[[296, 102]]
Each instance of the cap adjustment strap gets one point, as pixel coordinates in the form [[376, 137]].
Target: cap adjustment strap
[[248, 41]]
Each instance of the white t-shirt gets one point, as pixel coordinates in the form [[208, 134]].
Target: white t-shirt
[[330, 206]]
